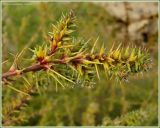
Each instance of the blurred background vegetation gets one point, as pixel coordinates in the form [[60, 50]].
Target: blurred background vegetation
[[107, 102]]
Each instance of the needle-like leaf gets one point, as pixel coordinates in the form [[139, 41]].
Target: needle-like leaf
[[63, 77], [56, 79], [94, 45]]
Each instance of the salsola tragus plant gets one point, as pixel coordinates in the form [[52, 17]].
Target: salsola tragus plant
[[70, 61], [67, 52]]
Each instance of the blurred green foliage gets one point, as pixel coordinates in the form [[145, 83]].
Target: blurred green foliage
[[107, 102]]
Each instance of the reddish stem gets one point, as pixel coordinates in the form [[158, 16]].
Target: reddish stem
[[33, 68]]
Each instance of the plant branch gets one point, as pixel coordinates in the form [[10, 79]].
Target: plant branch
[[118, 62]]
